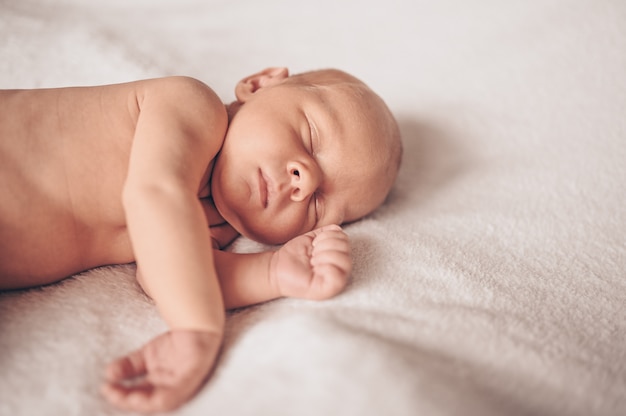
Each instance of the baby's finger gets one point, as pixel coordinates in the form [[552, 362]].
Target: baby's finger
[[334, 258], [330, 280], [137, 398], [328, 234], [332, 244], [128, 367]]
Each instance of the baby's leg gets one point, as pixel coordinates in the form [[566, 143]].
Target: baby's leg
[[315, 265]]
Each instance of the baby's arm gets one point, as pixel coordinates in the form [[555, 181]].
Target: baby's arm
[[315, 265], [179, 130]]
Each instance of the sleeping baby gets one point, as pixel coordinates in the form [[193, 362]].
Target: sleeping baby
[[160, 172]]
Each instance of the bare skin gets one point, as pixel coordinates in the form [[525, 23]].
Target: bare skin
[[163, 372], [63, 158], [114, 174]]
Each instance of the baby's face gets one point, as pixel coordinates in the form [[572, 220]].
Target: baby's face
[[295, 159]]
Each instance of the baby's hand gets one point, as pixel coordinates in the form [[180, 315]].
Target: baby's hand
[[315, 265], [164, 374]]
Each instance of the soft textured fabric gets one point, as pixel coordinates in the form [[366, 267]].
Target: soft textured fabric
[[490, 283]]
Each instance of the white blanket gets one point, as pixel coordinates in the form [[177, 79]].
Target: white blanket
[[490, 283]]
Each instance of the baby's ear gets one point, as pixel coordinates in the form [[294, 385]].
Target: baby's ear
[[266, 78]]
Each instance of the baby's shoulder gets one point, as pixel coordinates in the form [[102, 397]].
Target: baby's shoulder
[[179, 90], [188, 99]]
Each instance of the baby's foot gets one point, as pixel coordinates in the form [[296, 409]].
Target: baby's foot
[[315, 265]]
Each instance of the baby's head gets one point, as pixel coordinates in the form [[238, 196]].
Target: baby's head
[[303, 151]]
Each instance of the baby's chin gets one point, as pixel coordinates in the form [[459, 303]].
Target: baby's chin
[[273, 237], [265, 239], [257, 231]]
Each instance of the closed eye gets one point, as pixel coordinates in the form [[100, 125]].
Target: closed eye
[[312, 135]]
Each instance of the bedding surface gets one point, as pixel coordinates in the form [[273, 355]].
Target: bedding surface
[[491, 282]]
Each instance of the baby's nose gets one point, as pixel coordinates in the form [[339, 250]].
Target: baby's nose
[[304, 181]]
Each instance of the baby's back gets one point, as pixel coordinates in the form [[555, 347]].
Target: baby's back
[[63, 159]]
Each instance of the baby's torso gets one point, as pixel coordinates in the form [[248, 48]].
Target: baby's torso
[[63, 162]]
